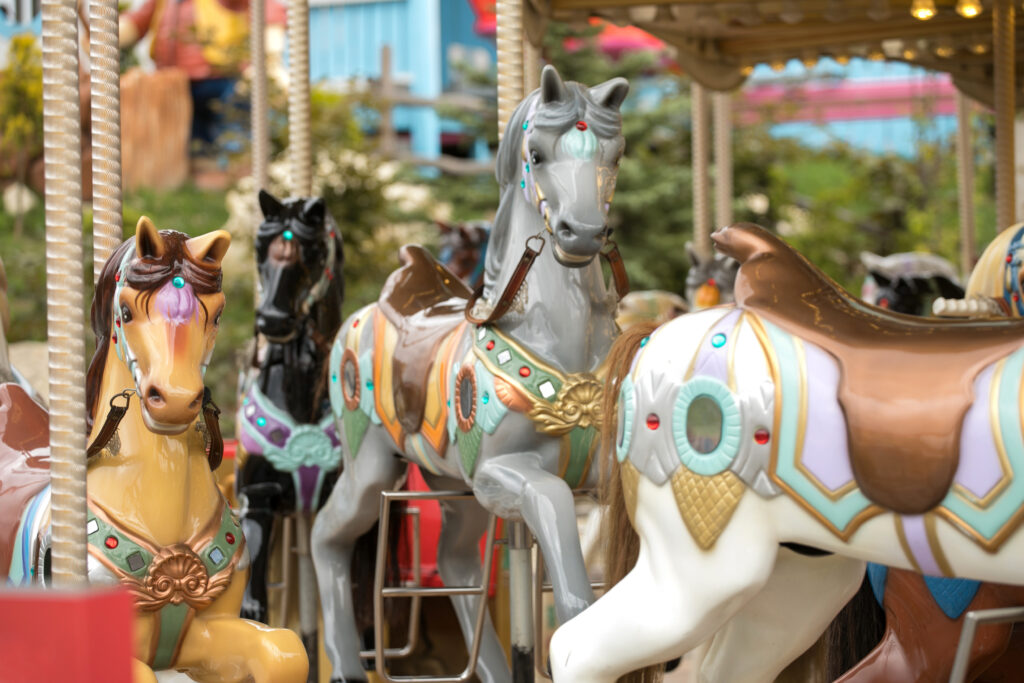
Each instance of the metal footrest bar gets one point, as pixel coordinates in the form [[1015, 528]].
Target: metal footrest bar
[[417, 592], [413, 635], [1002, 615]]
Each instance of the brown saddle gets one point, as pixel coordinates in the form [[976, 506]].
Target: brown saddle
[[905, 382], [424, 301], [24, 462]]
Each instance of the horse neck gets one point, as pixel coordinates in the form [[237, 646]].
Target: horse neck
[[568, 318], [289, 373], [158, 486]]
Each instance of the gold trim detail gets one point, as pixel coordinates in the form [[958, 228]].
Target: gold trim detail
[[706, 504], [936, 547], [902, 536], [578, 404]]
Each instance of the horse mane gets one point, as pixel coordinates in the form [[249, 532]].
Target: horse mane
[[620, 542], [147, 275]]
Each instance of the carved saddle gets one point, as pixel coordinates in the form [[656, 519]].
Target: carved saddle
[[905, 382], [425, 302]]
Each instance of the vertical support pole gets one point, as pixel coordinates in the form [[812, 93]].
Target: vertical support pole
[[299, 150], [700, 144], [105, 91], [531, 67], [62, 149], [965, 182], [260, 125], [722, 112], [520, 565], [308, 599], [1004, 59], [388, 145], [510, 59]]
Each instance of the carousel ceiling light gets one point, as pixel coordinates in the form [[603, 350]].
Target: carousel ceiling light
[[909, 53], [810, 61], [778, 65], [876, 54], [979, 48], [945, 51], [842, 59], [969, 8], [878, 10], [923, 9]]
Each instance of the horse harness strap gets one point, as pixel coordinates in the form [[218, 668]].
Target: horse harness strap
[[508, 296], [174, 581]]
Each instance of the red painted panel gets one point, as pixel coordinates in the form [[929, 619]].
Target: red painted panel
[[61, 636]]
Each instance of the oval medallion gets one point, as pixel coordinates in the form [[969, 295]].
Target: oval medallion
[[706, 426], [350, 384], [465, 397]]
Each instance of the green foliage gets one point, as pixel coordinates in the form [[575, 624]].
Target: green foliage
[[21, 101]]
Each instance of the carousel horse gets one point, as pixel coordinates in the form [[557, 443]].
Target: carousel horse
[[499, 394], [908, 282], [464, 249], [284, 419], [649, 305], [803, 417], [709, 282], [157, 523], [995, 286]]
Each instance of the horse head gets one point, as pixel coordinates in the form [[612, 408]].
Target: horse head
[[159, 302], [563, 148], [299, 257], [709, 282]]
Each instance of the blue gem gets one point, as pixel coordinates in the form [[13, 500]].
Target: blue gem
[[643, 342], [288, 235], [334, 377], [369, 385], [261, 421], [526, 125], [718, 341], [522, 184], [527, 168], [178, 282], [485, 398], [216, 555]]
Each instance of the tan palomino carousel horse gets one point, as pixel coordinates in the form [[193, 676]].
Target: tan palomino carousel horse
[[157, 522]]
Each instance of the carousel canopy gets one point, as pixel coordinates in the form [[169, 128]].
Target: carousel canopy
[[718, 43]]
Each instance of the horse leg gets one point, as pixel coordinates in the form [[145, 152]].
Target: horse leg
[[515, 485], [141, 673], [675, 597], [228, 650], [458, 560], [262, 497], [350, 511], [784, 619]]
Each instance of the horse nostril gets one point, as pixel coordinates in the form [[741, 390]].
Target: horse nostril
[[563, 230], [197, 401], [154, 397]]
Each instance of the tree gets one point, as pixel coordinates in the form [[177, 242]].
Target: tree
[[21, 106]]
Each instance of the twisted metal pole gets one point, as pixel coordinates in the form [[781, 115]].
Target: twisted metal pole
[[1004, 60], [722, 114], [699, 147], [965, 182], [62, 150], [258, 94], [299, 146], [510, 59], [531, 67], [105, 93]]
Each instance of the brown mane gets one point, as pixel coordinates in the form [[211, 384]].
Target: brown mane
[[147, 275]]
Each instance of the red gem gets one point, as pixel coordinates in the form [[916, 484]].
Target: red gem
[[883, 303], [1016, 296], [329, 274], [230, 538], [761, 436], [332, 234], [653, 421], [581, 125], [111, 542], [113, 338], [355, 323], [490, 345], [117, 276], [117, 322], [524, 371], [711, 281], [1009, 258]]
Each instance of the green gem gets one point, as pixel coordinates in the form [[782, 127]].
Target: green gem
[[178, 282], [718, 341], [334, 377], [526, 125], [288, 235], [261, 421], [485, 398], [643, 342], [527, 168], [369, 384], [522, 184]]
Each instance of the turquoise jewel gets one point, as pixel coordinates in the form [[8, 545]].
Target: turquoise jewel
[[261, 421], [369, 384], [527, 168], [485, 398], [334, 377], [522, 184], [526, 125], [718, 341], [178, 282], [288, 235], [643, 342]]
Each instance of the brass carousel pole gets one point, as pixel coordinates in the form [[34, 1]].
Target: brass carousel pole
[[699, 146], [965, 182], [1004, 61], [722, 111]]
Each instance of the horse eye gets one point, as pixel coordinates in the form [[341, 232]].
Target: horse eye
[[126, 314], [216, 319], [535, 158]]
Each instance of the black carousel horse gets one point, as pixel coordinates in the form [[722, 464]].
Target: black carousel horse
[[284, 419]]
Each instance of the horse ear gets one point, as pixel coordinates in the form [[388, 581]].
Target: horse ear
[[692, 253], [313, 210], [148, 242], [552, 89], [209, 249], [270, 205], [611, 93], [880, 278]]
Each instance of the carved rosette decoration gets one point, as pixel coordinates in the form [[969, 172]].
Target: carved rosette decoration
[[465, 397], [578, 404], [177, 575], [350, 380]]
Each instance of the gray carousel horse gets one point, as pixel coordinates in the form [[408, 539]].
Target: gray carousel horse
[[500, 393], [709, 281]]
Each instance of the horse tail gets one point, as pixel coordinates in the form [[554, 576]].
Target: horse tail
[[621, 544], [854, 633]]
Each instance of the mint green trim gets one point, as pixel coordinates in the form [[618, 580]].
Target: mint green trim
[[469, 448], [228, 524], [336, 377], [172, 623], [125, 547], [627, 417], [581, 144], [16, 575], [366, 401], [719, 459], [990, 521], [354, 424], [510, 368], [489, 414], [838, 513]]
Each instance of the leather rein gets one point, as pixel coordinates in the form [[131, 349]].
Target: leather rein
[[612, 256], [211, 414]]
